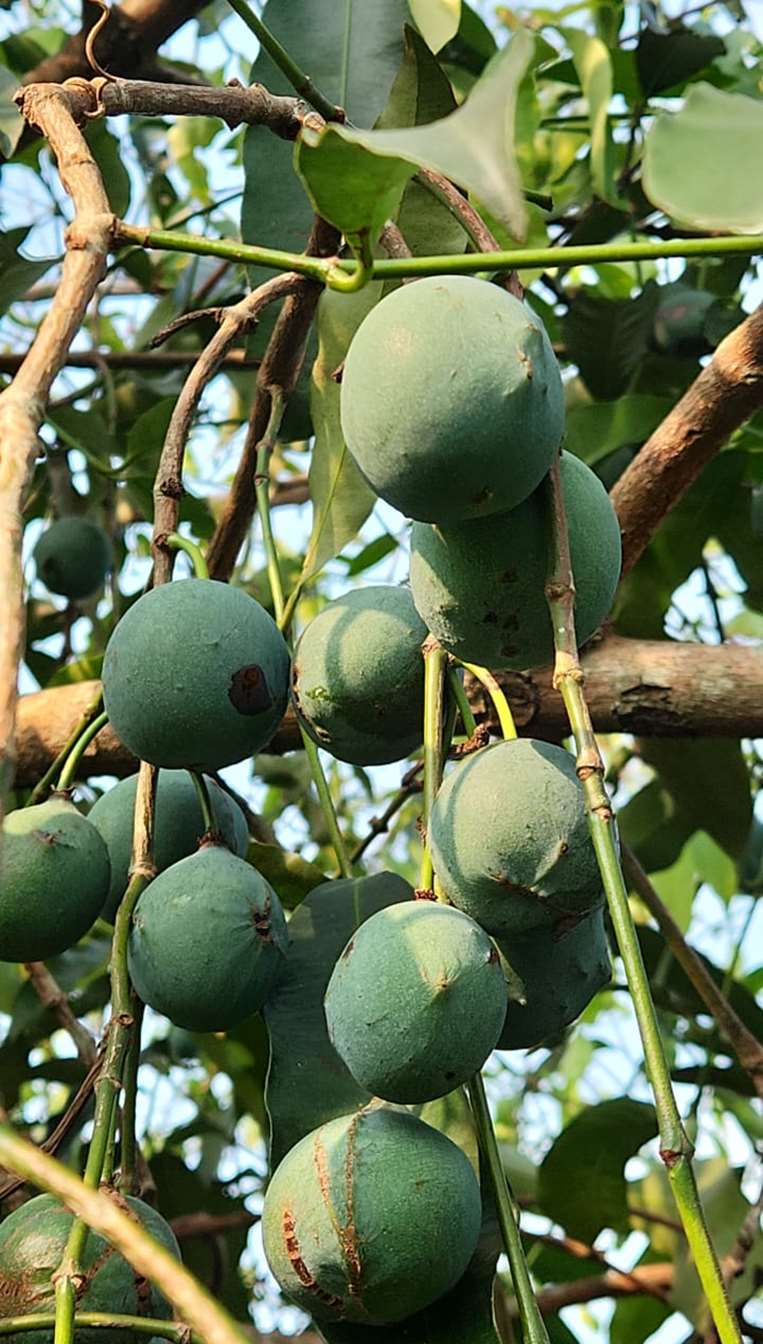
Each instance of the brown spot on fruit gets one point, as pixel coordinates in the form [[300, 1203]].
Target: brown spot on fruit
[[294, 1253], [248, 691]]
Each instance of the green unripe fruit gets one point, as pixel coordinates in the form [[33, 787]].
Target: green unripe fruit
[[196, 674], [207, 942], [358, 676], [416, 1001], [54, 876], [178, 826], [551, 977], [679, 322], [452, 402], [480, 586], [32, 1243], [510, 840], [371, 1217], [73, 557]]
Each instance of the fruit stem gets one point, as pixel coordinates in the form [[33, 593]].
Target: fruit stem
[[300, 81], [103, 1320], [327, 804], [176, 542], [533, 1326], [675, 1149], [435, 663], [500, 703], [262, 489], [41, 788], [205, 803], [69, 770], [338, 278], [128, 1144], [462, 701]]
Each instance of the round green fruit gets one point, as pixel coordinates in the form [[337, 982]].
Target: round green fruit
[[178, 828], [54, 876], [551, 977], [32, 1243], [208, 941], [196, 674], [358, 676], [510, 841], [73, 557], [480, 586], [371, 1218], [452, 402], [416, 1001]]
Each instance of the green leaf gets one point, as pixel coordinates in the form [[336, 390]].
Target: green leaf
[[594, 431], [11, 120], [689, 172], [291, 875], [664, 60], [581, 1184], [107, 152], [474, 146], [608, 339], [661, 964], [594, 68], [701, 860], [371, 554], [341, 498], [710, 783], [437, 20], [17, 274]]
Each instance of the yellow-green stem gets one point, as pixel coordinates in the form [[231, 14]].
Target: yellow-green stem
[[205, 803], [435, 663], [103, 1320], [327, 804], [41, 788], [500, 703], [195, 554], [128, 1141], [462, 701], [78, 750], [262, 490]]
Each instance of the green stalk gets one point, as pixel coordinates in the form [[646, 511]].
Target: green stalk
[[327, 804], [675, 1148], [69, 771], [500, 703], [103, 1320], [194, 553], [459, 695], [128, 1142], [299, 80], [533, 1325], [205, 803], [435, 662], [43, 785], [470, 263], [262, 489]]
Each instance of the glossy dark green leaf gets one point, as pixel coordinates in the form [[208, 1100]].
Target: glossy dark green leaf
[[590, 1155], [107, 152], [683, 996], [607, 339], [710, 783], [664, 60]]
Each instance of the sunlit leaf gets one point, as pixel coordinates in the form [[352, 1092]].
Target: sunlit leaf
[[437, 20]]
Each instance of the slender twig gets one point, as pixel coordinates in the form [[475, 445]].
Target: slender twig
[[177, 542], [234, 103], [379, 825], [675, 1149], [435, 663], [500, 703], [128, 1139], [745, 1045], [104, 1320], [299, 80], [69, 771], [205, 803], [52, 996], [147, 361], [262, 490], [40, 789]]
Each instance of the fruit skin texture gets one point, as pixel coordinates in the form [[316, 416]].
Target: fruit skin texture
[[178, 826], [73, 557], [552, 976], [479, 586], [371, 1217], [358, 676], [196, 674], [32, 1243], [452, 402], [207, 942], [54, 876], [510, 841], [416, 1001]]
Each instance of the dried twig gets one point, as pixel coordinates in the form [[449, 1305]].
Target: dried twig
[[235, 103], [656, 1280], [51, 995]]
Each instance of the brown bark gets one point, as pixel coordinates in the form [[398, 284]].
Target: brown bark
[[655, 1280], [724, 395], [146, 361], [634, 686]]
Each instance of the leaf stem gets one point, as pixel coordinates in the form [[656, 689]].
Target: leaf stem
[[462, 701], [533, 1326], [675, 1149], [205, 803], [500, 703], [102, 1320], [327, 804], [176, 542], [299, 80], [128, 1142], [42, 786], [78, 750], [262, 489], [435, 663]]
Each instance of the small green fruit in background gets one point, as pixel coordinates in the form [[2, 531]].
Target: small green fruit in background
[[510, 840], [358, 676], [679, 322], [452, 401], [32, 1243], [73, 557], [371, 1217], [196, 674], [54, 876], [551, 977], [208, 941], [480, 586], [416, 1001], [178, 826]]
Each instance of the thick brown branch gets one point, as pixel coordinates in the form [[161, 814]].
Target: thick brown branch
[[725, 394], [746, 1047], [234, 103]]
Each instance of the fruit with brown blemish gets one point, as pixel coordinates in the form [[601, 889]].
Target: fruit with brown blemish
[[551, 976], [371, 1217], [178, 825], [196, 675], [510, 840], [54, 878], [479, 587], [32, 1244], [452, 402], [208, 941], [358, 676], [416, 1001], [73, 557]]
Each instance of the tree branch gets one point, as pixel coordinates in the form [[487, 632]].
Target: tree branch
[[652, 1279], [149, 361], [52, 996], [724, 395]]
